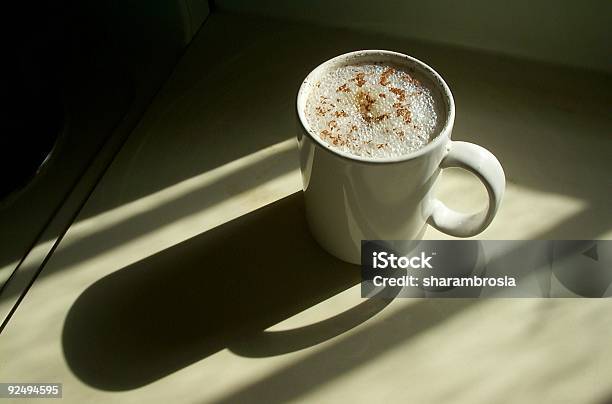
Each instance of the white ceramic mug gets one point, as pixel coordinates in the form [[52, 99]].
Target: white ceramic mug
[[350, 198]]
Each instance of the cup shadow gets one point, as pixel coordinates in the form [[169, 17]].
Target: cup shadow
[[220, 289]]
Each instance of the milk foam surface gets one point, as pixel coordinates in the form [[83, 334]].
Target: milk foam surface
[[372, 110]]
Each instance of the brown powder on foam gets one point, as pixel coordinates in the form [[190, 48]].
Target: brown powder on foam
[[339, 114], [405, 114], [399, 92], [367, 107], [384, 77], [360, 79]]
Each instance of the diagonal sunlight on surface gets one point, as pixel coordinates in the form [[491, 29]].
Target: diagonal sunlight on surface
[[176, 213], [236, 199], [103, 221], [181, 211], [210, 199], [5, 271], [236, 184], [462, 191]]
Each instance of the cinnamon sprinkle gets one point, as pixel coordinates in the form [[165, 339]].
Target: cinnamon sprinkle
[[384, 77], [399, 92], [365, 101], [360, 79], [405, 113], [343, 89], [381, 117]]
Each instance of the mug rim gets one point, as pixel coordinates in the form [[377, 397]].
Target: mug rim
[[443, 135]]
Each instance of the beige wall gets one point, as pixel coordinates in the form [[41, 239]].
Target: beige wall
[[575, 33]]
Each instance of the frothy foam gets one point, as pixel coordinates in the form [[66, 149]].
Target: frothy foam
[[372, 110]]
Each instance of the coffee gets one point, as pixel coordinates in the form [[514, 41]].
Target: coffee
[[387, 107], [372, 110]]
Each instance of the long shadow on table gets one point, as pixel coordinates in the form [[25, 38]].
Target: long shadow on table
[[208, 293], [222, 290]]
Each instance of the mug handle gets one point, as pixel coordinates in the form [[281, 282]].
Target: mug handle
[[487, 168]]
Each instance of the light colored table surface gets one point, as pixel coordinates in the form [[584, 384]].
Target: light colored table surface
[[161, 289]]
